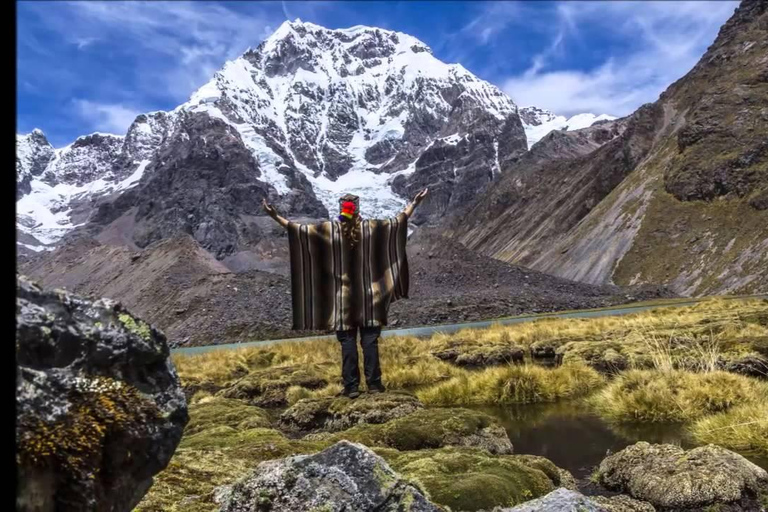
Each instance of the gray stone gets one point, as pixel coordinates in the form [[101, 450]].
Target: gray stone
[[559, 500], [345, 477]]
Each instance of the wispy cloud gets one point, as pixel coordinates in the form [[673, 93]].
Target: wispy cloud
[[175, 45], [109, 118], [660, 42]]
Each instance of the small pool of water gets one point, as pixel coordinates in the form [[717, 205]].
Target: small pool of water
[[574, 438]]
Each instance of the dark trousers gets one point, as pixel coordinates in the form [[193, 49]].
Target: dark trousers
[[369, 339]]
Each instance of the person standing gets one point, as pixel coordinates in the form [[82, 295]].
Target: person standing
[[345, 273]]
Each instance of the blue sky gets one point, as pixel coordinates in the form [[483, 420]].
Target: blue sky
[[89, 66]]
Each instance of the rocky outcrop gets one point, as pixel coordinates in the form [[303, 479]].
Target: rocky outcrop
[[346, 476], [480, 356], [99, 406], [676, 198], [672, 479], [33, 153], [333, 414], [205, 184]]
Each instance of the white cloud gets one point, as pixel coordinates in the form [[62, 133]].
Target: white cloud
[[104, 117], [661, 41], [176, 44]]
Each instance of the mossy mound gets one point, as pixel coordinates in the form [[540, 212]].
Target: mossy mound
[[211, 412], [480, 356], [267, 388], [432, 428], [471, 479], [671, 478], [339, 413], [606, 357]]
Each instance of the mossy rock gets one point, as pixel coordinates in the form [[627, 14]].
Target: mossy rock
[[211, 412], [470, 479], [671, 478], [480, 356], [560, 477], [433, 428], [338, 413], [267, 388]]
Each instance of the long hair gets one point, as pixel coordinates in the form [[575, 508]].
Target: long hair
[[350, 228]]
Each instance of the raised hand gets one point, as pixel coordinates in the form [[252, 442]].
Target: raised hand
[[272, 212], [420, 197], [269, 209], [416, 201]]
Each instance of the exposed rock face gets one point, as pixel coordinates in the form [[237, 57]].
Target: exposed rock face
[[99, 406], [306, 111], [677, 198], [33, 153], [332, 414], [205, 183], [671, 478], [346, 476]]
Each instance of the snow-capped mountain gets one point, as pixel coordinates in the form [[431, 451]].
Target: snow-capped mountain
[[538, 122], [309, 114]]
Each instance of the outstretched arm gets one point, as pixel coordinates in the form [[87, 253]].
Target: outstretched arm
[[273, 213], [416, 202]]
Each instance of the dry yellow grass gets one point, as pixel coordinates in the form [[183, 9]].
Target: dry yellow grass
[[669, 337], [521, 384], [675, 396], [224, 446], [743, 428]]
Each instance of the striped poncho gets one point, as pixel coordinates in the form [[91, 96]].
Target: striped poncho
[[337, 288]]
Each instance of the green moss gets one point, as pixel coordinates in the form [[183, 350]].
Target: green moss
[[431, 428], [217, 411], [135, 326], [470, 479]]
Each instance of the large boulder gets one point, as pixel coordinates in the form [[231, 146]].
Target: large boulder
[[559, 500], [343, 477], [99, 406], [339, 413], [671, 478]]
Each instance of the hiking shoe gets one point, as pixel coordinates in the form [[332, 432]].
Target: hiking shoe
[[350, 393], [376, 388]]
